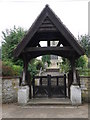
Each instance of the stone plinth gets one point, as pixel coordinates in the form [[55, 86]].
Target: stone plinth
[[10, 86], [75, 95], [23, 94]]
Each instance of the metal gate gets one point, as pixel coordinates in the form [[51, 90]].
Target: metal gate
[[49, 86]]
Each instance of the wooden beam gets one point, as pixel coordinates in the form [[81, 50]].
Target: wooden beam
[[46, 49], [48, 43], [45, 36]]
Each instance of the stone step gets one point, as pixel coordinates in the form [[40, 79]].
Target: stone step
[[47, 101], [52, 70], [51, 73]]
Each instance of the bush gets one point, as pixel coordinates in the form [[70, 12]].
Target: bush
[[84, 72], [8, 69], [17, 70], [7, 63]]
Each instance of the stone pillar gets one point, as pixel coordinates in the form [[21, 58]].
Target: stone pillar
[[23, 95], [75, 95], [75, 90]]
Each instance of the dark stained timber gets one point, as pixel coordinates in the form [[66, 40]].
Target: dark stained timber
[[41, 49], [48, 27], [48, 88]]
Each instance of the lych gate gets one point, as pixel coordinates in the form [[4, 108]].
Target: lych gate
[[48, 27]]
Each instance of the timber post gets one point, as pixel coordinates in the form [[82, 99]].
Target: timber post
[[25, 69], [65, 84], [49, 85], [73, 68]]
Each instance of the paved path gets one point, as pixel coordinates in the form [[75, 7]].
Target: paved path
[[15, 111]]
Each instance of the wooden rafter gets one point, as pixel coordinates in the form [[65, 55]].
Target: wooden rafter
[[58, 43], [39, 45]]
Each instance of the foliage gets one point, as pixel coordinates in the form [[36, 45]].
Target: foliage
[[89, 50], [8, 69], [32, 68], [65, 65], [84, 41], [11, 37], [7, 63], [39, 65], [46, 58], [82, 62], [10, 40], [84, 72], [17, 70], [81, 65]]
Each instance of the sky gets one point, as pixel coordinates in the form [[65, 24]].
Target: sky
[[73, 13]]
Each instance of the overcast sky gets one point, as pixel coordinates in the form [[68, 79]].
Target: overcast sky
[[73, 13]]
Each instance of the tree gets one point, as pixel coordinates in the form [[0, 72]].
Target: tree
[[82, 62], [10, 40], [84, 41], [39, 65], [34, 67], [65, 65], [46, 58]]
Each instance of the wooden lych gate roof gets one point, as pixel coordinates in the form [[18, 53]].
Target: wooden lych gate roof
[[48, 27]]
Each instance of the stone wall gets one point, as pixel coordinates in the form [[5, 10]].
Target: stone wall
[[10, 87], [85, 82]]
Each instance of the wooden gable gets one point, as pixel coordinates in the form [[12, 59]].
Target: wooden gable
[[45, 28]]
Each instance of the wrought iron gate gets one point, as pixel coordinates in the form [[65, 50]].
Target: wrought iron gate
[[49, 86]]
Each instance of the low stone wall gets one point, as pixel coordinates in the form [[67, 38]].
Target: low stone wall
[[85, 82], [10, 88]]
